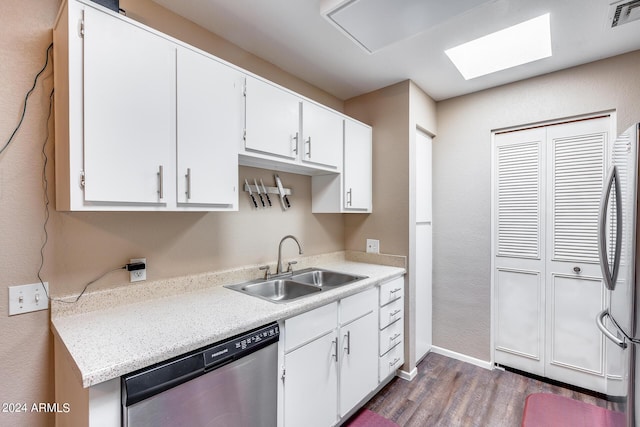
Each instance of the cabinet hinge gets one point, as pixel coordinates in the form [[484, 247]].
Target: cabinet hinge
[[81, 28], [82, 179]]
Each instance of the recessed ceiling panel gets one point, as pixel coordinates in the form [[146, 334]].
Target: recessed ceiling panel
[[374, 24]]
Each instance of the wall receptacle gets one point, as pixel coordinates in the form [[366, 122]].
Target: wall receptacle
[[138, 275], [373, 246]]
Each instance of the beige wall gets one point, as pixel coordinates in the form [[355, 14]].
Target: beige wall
[[395, 113], [462, 181], [83, 245]]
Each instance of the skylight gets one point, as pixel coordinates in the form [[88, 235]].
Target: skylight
[[520, 44]]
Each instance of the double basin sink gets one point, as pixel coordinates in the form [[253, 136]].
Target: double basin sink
[[290, 286]]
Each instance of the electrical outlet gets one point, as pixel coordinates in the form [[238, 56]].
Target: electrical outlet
[[27, 298], [138, 275], [373, 246]]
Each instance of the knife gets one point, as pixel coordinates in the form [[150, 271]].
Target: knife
[[258, 191], [283, 197], [251, 193], [264, 190]]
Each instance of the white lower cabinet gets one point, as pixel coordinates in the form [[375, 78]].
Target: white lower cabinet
[[358, 350], [391, 327], [311, 381], [330, 360]]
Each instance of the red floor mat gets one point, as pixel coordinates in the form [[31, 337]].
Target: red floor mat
[[551, 410], [367, 418]]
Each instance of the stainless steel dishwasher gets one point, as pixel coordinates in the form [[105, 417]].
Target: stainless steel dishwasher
[[230, 383]]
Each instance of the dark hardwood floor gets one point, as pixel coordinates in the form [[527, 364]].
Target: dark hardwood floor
[[450, 393]]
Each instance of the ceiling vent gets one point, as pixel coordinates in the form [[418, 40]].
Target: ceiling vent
[[376, 24], [623, 12]]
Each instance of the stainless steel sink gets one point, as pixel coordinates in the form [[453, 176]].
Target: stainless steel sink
[[291, 286], [279, 290], [324, 278]]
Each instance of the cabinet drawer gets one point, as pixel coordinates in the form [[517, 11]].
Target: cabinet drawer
[[391, 312], [310, 325], [358, 305], [391, 361], [391, 291], [391, 335]]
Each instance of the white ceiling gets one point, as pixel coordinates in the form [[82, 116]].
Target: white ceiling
[[295, 36]]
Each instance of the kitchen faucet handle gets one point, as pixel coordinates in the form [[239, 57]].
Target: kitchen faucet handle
[[267, 273], [289, 266]]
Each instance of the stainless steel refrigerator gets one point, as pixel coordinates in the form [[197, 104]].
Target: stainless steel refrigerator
[[618, 246]]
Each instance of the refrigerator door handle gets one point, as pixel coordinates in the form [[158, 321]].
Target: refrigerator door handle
[[609, 274], [600, 322]]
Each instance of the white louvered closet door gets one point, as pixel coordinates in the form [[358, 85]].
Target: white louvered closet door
[[547, 282], [519, 250], [574, 288]]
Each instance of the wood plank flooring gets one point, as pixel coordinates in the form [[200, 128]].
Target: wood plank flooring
[[451, 393]]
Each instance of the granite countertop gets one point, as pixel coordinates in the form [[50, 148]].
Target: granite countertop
[[106, 343]]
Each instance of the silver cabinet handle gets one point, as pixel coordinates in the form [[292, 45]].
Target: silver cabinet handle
[[393, 338], [188, 176], [308, 143], [161, 181], [295, 146], [577, 269], [610, 274], [348, 337], [349, 197], [393, 313], [395, 290], [396, 360], [600, 322], [335, 342]]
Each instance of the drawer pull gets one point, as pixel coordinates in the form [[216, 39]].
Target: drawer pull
[[393, 313], [348, 337], [395, 290], [393, 338], [396, 360], [335, 342]]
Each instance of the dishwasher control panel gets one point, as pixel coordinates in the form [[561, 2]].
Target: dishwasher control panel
[[240, 345]]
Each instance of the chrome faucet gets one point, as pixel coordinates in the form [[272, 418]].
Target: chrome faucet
[[279, 267]]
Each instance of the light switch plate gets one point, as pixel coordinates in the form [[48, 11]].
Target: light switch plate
[[28, 298], [373, 246]]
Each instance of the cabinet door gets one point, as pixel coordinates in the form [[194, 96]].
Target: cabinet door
[[310, 384], [323, 135], [209, 114], [357, 166], [272, 120], [359, 361], [129, 111]]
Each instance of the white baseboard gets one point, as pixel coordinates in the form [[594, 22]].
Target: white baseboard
[[462, 357], [407, 376]]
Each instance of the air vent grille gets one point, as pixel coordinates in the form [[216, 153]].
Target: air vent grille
[[624, 12]]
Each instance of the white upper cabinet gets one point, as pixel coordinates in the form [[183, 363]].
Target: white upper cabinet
[[145, 122], [272, 122], [351, 190], [129, 110], [322, 136], [357, 166], [209, 128]]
